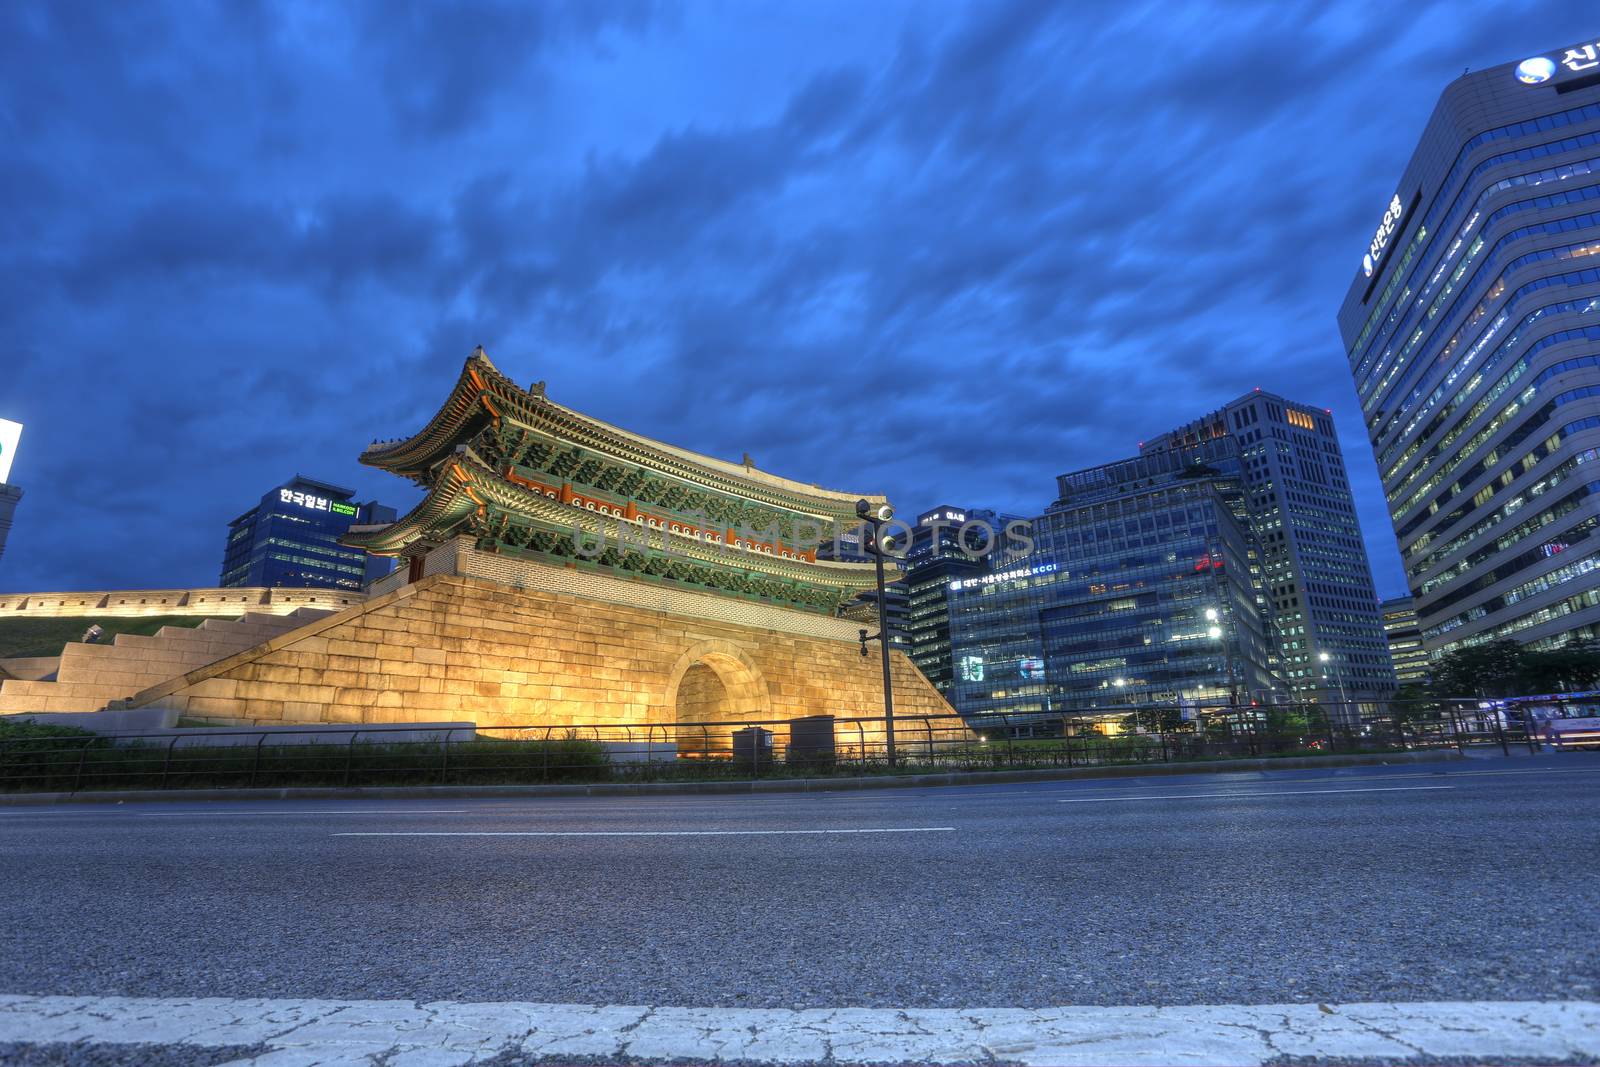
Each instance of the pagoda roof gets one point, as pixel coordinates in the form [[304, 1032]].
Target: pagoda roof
[[482, 395], [467, 486]]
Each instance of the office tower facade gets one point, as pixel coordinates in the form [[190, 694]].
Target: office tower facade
[[864, 609], [1138, 590], [934, 560], [1472, 329], [1406, 650], [291, 539], [1316, 581]]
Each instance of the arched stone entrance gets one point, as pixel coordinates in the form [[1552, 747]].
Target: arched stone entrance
[[714, 682]]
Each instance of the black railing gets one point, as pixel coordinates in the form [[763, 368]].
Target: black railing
[[46, 759]]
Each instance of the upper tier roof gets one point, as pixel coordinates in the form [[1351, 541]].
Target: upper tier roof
[[482, 394]]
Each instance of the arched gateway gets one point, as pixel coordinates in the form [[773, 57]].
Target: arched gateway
[[714, 682], [561, 571]]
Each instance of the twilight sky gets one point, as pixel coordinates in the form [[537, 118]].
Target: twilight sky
[[940, 250]]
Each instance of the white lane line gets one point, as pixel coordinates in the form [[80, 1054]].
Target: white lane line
[[1426, 774], [353, 811], [1239, 795], [447, 1034], [639, 833]]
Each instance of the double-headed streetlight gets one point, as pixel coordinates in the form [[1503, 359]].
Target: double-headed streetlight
[[880, 546]]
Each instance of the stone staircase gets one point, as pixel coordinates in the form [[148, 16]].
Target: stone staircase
[[88, 677]]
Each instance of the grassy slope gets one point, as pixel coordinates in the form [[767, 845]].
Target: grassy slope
[[44, 637]]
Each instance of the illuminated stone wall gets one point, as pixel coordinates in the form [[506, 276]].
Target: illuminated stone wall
[[547, 646]]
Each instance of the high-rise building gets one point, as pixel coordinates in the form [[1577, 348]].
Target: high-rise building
[[1316, 582], [1138, 590], [1406, 651], [10, 434], [1472, 328], [864, 609], [936, 558], [291, 538]]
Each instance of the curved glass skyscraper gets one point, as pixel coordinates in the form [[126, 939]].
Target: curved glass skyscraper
[[1473, 332]]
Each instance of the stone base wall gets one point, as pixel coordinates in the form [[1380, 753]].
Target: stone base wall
[[457, 647]]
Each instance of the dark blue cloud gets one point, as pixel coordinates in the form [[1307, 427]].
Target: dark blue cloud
[[942, 251]]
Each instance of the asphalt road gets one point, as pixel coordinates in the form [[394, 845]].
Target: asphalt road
[[1459, 881]]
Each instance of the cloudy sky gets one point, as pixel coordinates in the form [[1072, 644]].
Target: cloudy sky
[[936, 249]]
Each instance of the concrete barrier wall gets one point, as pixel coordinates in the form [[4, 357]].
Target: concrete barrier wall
[[137, 603]]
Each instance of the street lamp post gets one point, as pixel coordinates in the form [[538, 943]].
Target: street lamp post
[[1214, 631], [875, 518], [1344, 698]]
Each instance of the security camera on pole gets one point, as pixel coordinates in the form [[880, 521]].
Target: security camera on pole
[[880, 545]]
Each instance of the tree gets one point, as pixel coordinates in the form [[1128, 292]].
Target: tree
[[1504, 668], [1412, 700], [1165, 719], [1573, 666], [1495, 669]]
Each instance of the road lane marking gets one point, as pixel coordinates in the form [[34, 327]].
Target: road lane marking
[[364, 811], [448, 1034], [1251, 796], [639, 833], [1342, 774]]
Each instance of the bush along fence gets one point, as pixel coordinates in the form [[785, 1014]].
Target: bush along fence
[[41, 758]]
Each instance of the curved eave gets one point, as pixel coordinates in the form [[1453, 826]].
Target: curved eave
[[482, 393], [460, 417], [446, 504]]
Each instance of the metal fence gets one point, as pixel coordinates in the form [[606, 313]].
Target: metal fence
[[49, 760]]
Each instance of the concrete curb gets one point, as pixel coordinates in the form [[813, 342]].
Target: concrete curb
[[771, 785], [453, 1033]]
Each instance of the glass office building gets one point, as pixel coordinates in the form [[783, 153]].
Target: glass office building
[[1472, 328], [1406, 651], [1316, 580], [935, 559], [1138, 590], [291, 539]]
